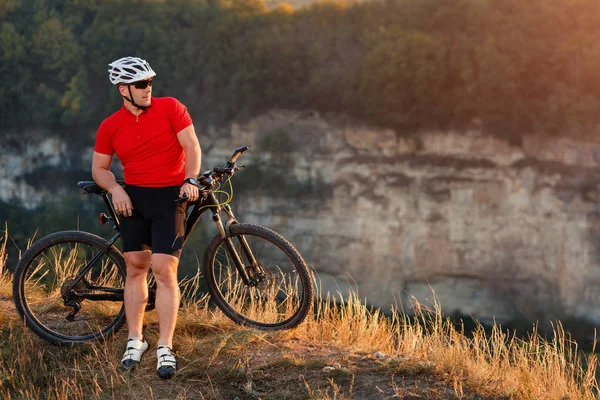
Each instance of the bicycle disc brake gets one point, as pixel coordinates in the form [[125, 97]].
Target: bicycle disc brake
[[261, 277]]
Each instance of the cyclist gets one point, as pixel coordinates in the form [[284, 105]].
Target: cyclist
[[155, 141]]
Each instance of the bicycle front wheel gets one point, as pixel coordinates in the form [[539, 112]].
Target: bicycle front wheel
[[279, 293], [61, 305]]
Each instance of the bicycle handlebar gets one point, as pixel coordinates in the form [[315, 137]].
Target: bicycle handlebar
[[238, 152], [210, 178]]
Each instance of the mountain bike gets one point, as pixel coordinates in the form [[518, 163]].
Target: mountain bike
[[68, 286]]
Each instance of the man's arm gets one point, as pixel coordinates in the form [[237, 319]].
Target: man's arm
[[106, 179], [193, 158], [101, 171], [193, 155]]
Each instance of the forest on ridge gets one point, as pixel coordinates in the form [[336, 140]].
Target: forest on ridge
[[508, 66]]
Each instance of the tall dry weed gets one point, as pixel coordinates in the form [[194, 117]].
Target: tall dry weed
[[3, 255], [5, 278], [492, 363]]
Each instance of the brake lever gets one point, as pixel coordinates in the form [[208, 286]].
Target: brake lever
[[182, 200]]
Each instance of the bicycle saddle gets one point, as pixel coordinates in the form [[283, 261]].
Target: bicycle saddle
[[92, 187]]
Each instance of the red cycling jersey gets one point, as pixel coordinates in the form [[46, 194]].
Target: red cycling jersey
[[147, 145]]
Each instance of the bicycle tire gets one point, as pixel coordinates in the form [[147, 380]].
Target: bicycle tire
[[41, 280], [274, 304]]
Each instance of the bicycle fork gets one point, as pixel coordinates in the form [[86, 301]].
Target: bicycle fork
[[253, 267]]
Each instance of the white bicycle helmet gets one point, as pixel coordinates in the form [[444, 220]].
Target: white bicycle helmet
[[128, 70]]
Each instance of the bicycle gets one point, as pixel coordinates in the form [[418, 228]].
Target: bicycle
[[68, 286]]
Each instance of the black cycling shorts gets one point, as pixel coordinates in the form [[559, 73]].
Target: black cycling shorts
[[157, 222]]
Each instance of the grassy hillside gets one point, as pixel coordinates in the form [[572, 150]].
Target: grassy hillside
[[370, 357]]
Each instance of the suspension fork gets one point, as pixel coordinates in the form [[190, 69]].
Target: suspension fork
[[241, 238], [226, 235]]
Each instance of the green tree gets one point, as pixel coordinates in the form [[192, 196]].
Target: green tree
[[6, 6], [15, 76], [400, 78], [73, 103], [55, 51]]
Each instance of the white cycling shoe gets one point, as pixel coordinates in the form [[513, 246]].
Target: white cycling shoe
[[166, 366], [133, 353]]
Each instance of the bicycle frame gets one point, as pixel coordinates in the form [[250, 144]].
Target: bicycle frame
[[194, 210]]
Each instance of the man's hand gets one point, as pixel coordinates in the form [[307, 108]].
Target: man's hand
[[191, 191], [121, 201]]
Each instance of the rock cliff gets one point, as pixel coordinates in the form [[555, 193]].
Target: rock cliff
[[496, 230]]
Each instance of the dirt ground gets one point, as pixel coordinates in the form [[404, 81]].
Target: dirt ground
[[244, 364]]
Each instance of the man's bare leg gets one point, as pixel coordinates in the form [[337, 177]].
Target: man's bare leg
[[164, 268], [136, 290]]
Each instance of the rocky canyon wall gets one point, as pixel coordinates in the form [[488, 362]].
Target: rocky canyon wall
[[495, 230]]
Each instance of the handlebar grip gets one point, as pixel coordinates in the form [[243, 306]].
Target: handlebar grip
[[238, 152], [182, 200]]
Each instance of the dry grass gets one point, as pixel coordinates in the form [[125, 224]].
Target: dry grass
[[422, 357]]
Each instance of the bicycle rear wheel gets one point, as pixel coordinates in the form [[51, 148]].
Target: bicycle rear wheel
[[55, 305], [282, 293]]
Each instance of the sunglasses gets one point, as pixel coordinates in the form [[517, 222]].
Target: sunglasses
[[142, 84]]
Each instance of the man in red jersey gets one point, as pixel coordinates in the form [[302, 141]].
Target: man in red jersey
[[155, 141]]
